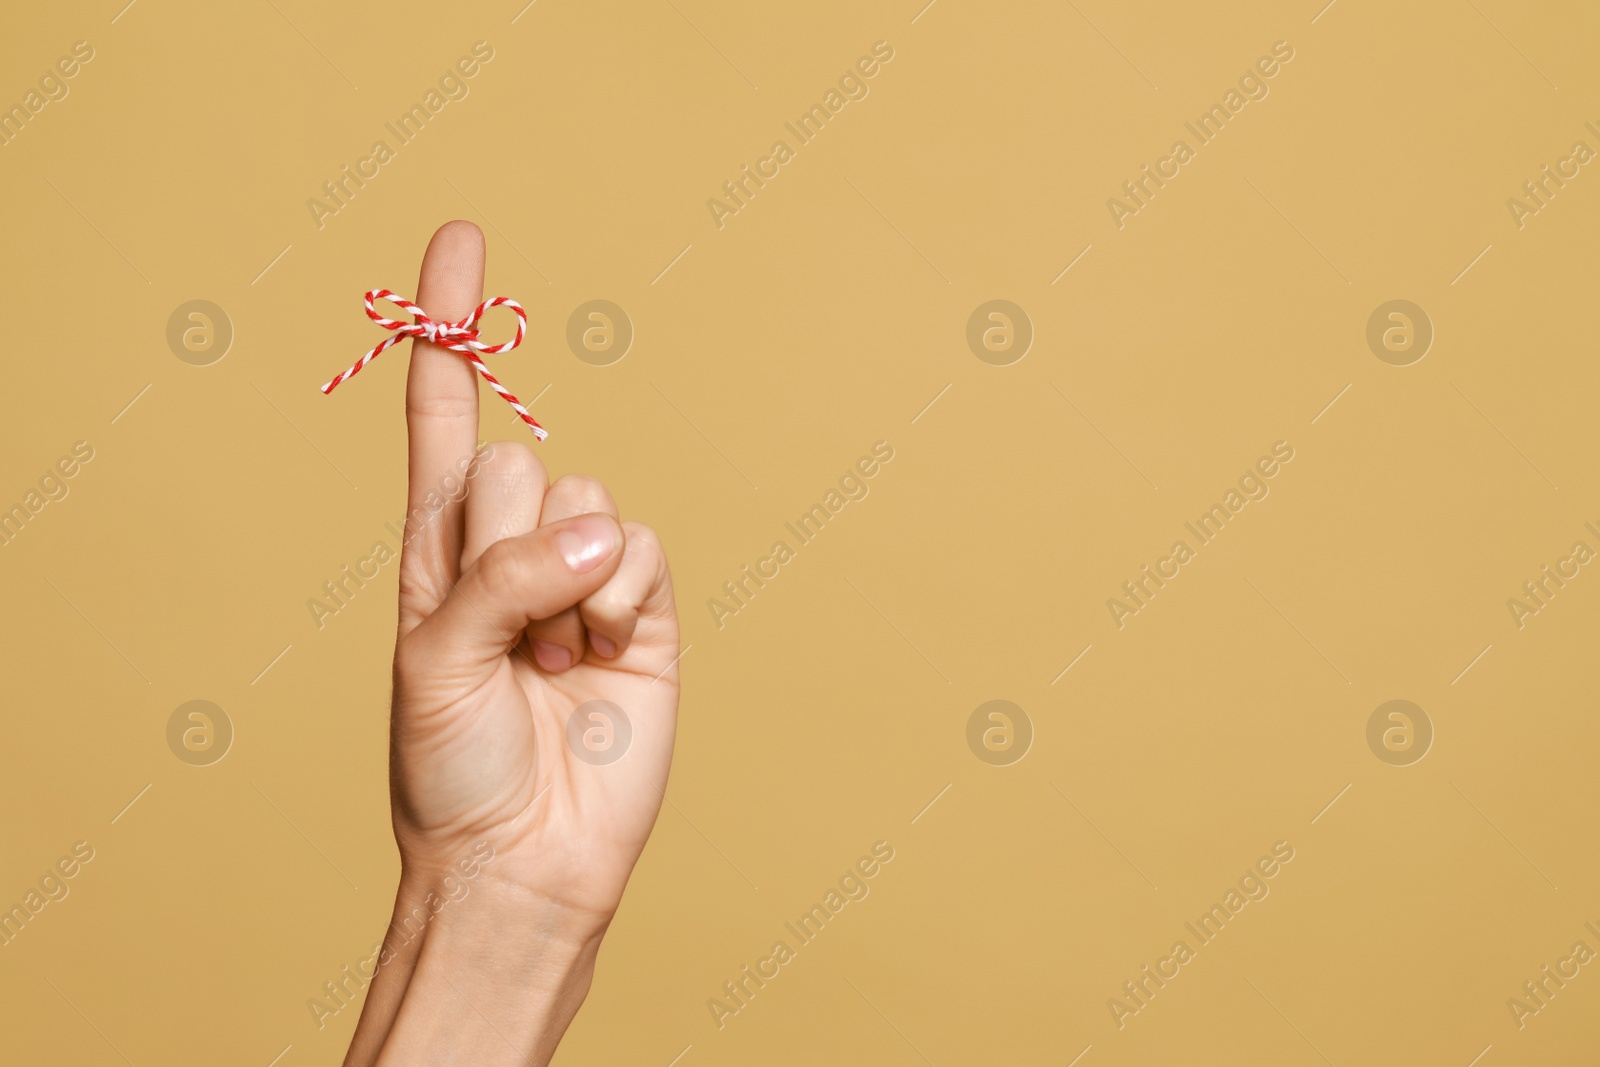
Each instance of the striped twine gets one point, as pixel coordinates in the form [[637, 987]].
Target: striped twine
[[459, 337]]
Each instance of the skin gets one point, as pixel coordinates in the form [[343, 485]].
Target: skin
[[518, 603]]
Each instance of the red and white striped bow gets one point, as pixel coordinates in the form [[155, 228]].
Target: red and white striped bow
[[459, 337]]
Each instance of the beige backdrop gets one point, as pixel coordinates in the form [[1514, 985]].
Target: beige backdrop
[[1167, 346]]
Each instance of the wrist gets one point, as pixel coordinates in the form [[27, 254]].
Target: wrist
[[491, 972], [487, 914], [482, 887]]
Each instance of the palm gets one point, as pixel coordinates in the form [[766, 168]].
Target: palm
[[495, 764]]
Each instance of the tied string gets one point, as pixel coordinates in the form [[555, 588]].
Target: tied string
[[459, 337]]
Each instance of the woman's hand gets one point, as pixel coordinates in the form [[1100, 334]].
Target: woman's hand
[[535, 702]]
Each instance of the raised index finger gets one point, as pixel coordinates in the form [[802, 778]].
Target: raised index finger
[[442, 423]]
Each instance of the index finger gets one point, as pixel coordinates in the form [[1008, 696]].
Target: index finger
[[442, 423]]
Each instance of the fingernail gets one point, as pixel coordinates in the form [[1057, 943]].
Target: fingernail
[[603, 645], [588, 542], [551, 656]]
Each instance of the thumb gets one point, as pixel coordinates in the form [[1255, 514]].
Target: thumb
[[519, 579]]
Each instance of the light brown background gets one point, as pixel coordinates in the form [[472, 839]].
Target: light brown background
[[823, 318]]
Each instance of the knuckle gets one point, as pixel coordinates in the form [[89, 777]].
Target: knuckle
[[579, 494], [564, 628], [611, 615], [442, 407], [646, 543], [608, 604], [504, 565], [643, 539], [511, 464]]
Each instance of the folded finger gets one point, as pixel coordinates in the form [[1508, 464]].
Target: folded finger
[[516, 581], [505, 496], [611, 614], [559, 642]]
